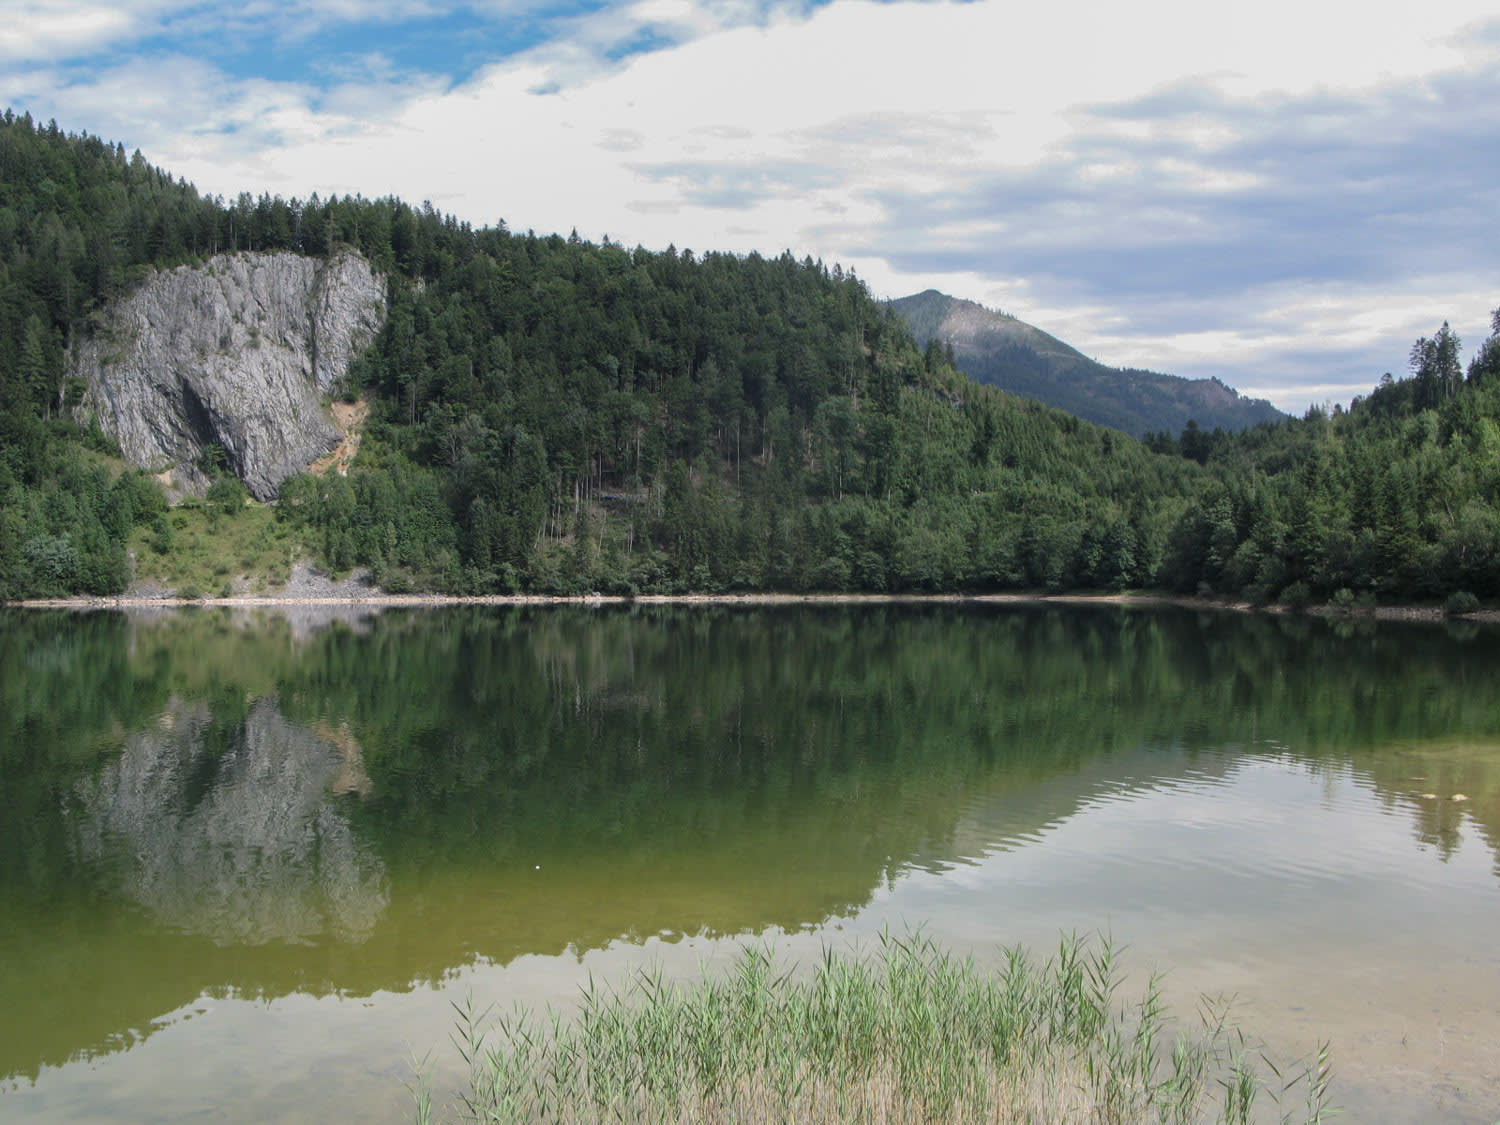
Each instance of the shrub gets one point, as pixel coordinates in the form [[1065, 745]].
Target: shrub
[[227, 495], [1460, 603], [1296, 597]]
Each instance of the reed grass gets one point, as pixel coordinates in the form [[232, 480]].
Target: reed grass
[[906, 1034]]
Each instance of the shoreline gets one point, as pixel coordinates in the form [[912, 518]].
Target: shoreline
[[377, 600]]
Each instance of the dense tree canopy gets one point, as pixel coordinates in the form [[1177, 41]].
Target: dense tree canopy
[[559, 416], [1395, 497]]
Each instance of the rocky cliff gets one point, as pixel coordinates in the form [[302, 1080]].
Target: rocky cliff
[[237, 353]]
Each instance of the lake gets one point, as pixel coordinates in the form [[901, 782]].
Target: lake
[[249, 860]]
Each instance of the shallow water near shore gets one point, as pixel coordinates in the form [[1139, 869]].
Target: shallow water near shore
[[247, 862]]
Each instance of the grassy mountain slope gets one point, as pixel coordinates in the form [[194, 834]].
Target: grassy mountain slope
[[991, 347]]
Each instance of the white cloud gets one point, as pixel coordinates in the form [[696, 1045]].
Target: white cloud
[[39, 29]]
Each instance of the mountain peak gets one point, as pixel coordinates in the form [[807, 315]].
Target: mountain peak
[[999, 349]]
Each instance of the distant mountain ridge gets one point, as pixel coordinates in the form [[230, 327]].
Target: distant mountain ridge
[[992, 347]]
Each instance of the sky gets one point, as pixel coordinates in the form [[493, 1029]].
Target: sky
[[1282, 195]]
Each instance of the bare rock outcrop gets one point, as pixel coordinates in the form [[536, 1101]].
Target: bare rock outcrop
[[237, 353]]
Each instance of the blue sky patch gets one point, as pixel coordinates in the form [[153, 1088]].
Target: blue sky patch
[[454, 45]]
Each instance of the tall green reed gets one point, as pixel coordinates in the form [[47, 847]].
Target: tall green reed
[[908, 1033]]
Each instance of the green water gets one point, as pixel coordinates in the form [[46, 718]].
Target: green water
[[247, 862]]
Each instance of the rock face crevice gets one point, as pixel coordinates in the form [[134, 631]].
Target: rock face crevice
[[237, 353]]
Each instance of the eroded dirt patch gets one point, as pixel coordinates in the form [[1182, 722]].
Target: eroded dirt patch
[[349, 417]]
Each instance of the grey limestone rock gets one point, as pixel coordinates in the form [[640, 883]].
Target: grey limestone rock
[[238, 353]]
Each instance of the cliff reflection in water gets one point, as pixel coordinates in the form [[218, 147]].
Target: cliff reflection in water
[[226, 829]]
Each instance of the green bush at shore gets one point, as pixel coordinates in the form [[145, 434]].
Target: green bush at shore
[[910, 1034]]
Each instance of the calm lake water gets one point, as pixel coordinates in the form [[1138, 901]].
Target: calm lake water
[[247, 862]]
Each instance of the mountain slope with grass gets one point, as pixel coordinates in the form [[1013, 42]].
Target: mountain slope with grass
[[991, 347]]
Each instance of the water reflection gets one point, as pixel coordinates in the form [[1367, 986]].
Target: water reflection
[[228, 830], [302, 620], [201, 806]]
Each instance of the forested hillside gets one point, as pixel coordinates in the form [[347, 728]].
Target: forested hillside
[[552, 415], [587, 417], [1397, 497], [79, 220], [559, 416]]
